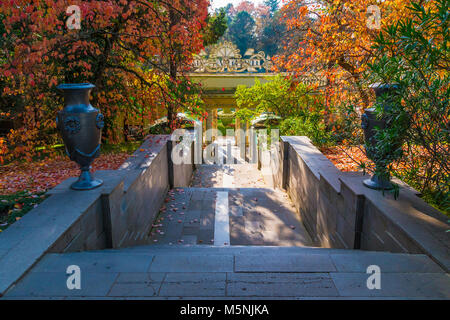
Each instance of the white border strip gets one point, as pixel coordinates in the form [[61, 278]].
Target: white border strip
[[227, 177], [222, 220]]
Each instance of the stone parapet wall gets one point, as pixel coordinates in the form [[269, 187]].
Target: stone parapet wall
[[118, 214], [339, 212]]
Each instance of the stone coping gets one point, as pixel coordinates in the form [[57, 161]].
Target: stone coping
[[322, 167], [316, 160], [142, 158], [26, 241], [424, 225]]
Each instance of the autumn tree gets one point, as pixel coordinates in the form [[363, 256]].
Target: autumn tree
[[216, 25], [178, 37], [135, 52], [254, 26], [241, 31], [273, 5], [271, 31], [333, 40]]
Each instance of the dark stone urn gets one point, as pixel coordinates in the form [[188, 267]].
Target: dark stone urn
[[369, 121], [80, 125]]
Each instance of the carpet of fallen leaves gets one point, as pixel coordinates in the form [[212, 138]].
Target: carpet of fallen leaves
[[43, 175], [346, 158]]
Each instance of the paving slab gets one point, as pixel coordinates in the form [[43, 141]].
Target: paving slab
[[14, 236], [285, 263], [232, 250], [421, 285], [138, 277], [236, 210], [279, 262], [207, 271], [192, 263], [100, 262], [388, 262], [34, 298], [250, 202], [137, 284], [205, 236], [280, 285], [199, 284], [54, 284], [189, 239]]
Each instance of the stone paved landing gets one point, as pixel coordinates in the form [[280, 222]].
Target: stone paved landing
[[263, 216], [230, 176], [233, 272], [256, 217], [256, 214]]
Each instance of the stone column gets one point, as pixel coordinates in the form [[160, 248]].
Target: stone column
[[237, 125], [214, 124], [246, 126], [240, 134], [209, 125]]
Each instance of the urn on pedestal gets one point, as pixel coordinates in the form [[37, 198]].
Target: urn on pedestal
[[370, 123], [80, 125]]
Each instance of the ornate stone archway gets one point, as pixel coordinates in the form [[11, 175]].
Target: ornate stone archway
[[220, 69]]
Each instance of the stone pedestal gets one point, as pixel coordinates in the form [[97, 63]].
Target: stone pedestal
[[237, 124], [208, 126], [214, 124]]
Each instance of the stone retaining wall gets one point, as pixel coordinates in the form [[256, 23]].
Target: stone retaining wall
[[183, 172], [118, 214], [339, 212]]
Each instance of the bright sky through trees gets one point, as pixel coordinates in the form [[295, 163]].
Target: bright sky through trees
[[222, 3]]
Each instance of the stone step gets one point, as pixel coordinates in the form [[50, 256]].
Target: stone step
[[234, 249], [210, 271], [244, 189], [255, 259]]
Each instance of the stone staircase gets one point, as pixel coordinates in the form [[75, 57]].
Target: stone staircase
[[234, 272], [230, 235], [253, 212]]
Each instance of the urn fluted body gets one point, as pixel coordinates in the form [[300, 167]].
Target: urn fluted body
[[80, 125], [370, 123]]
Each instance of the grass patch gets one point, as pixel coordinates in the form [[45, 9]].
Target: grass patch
[[124, 147], [15, 206]]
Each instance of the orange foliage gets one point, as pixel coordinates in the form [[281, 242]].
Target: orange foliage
[[347, 159], [350, 158], [125, 48], [3, 150], [44, 175], [333, 41]]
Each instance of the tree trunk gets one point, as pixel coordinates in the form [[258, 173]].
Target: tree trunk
[[171, 109], [357, 78], [326, 117]]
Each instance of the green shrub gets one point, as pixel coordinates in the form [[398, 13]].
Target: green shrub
[[15, 206], [312, 127], [226, 118], [221, 128], [414, 54], [281, 95]]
